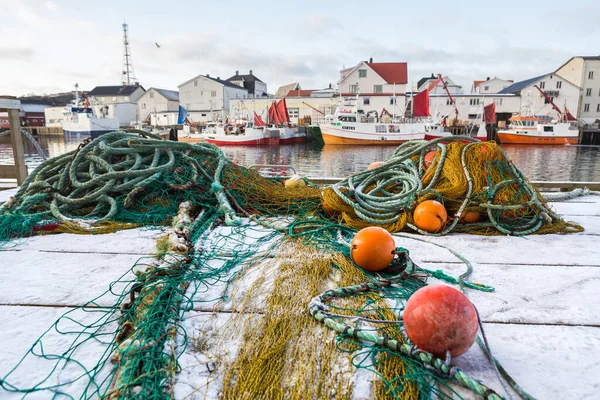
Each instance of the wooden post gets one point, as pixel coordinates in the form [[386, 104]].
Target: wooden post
[[17, 145]]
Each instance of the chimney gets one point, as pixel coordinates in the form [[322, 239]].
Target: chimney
[[218, 78], [250, 72], [137, 84], [488, 78], [330, 86], [237, 73], [371, 60], [208, 75]]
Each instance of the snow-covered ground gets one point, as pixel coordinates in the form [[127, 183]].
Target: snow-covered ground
[[543, 320]]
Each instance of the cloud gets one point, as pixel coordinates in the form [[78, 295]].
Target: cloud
[[16, 54]]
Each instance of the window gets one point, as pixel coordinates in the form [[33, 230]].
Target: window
[[591, 75], [366, 101], [377, 88], [486, 88], [448, 102], [598, 108], [213, 93], [558, 84], [126, 98], [114, 98], [542, 85], [380, 129], [353, 88], [474, 102], [151, 95], [196, 83], [187, 106], [548, 100], [362, 73], [204, 115], [294, 112], [392, 101], [143, 106], [588, 92], [586, 107], [548, 129], [498, 102]]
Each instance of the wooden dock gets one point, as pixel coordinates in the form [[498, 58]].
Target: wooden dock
[[543, 320]]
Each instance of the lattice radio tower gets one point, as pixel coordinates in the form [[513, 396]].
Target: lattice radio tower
[[128, 73]]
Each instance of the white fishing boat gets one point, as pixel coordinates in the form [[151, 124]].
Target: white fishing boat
[[352, 125], [531, 130], [81, 119], [232, 134]]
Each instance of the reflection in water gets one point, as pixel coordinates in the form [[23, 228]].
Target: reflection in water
[[541, 163]]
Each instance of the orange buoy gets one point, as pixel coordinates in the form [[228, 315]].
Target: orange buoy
[[439, 318], [469, 217], [430, 216], [372, 248], [428, 159], [375, 164]]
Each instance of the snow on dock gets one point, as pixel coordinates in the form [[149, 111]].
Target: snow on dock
[[543, 320]]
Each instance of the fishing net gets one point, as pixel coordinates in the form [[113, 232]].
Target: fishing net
[[310, 318]]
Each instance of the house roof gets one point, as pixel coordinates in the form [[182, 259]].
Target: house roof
[[587, 58], [515, 87], [221, 81], [168, 94], [285, 89], [477, 83], [299, 93], [391, 72], [245, 78], [33, 107], [115, 90]]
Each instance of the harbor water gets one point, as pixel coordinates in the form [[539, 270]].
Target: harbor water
[[539, 163]]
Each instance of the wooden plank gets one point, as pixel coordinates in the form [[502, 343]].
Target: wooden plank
[[8, 171], [17, 146]]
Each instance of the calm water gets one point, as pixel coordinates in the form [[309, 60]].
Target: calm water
[[542, 163]]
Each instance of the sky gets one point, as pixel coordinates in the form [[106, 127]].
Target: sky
[[46, 46]]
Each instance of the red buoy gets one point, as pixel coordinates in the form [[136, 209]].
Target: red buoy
[[439, 318], [375, 164], [428, 159], [372, 248]]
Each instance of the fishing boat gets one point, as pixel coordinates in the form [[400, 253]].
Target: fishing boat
[[279, 118], [531, 130], [352, 125], [240, 133], [81, 119]]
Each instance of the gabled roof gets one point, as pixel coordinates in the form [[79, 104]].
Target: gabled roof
[[168, 94], [285, 89], [299, 93], [515, 87], [245, 78], [391, 72], [221, 81], [125, 90], [477, 83]]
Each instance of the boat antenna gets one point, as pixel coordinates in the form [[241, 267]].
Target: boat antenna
[[128, 75]]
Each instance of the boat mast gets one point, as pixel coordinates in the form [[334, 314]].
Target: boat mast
[[76, 95], [394, 100]]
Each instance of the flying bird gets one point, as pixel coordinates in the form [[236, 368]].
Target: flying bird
[[157, 45]]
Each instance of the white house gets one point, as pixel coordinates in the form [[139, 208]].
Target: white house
[[119, 102], [584, 72], [559, 90], [379, 85], [207, 99], [438, 88], [490, 86], [157, 101], [255, 87]]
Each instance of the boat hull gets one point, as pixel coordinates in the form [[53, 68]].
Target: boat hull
[[335, 135], [270, 141], [511, 138]]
